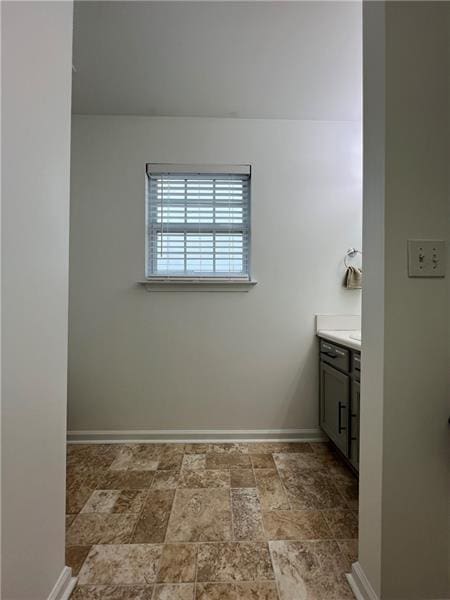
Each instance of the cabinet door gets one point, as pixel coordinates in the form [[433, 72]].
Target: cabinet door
[[334, 404], [354, 424]]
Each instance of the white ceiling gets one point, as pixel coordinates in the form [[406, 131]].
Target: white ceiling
[[291, 60]]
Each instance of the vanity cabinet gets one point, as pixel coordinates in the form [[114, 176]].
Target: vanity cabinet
[[339, 398]]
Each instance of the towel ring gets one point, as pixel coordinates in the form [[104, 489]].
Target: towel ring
[[351, 253]]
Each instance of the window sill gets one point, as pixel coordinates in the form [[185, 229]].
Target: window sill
[[195, 284]]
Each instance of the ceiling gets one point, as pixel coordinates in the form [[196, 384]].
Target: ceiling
[[286, 60]]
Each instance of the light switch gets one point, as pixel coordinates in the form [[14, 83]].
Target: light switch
[[426, 258]]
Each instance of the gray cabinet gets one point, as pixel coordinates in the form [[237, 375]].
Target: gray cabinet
[[339, 398], [334, 404]]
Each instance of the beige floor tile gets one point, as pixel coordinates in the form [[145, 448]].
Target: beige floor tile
[[229, 448], [130, 501], [242, 478], [308, 489], [262, 461], [295, 525], [171, 457], [200, 515], [101, 501], [215, 591], [234, 561], [127, 480], [349, 491], [194, 461], [100, 528], [121, 564], [92, 455], [247, 518], [115, 501], [75, 557], [137, 457], [112, 592], [89, 474], [343, 523], [258, 590], [340, 473], [349, 549], [178, 563], [310, 571], [224, 460], [77, 494], [152, 524], [263, 590], [304, 460], [270, 489], [167, 591], [165, 480], [204, 479]]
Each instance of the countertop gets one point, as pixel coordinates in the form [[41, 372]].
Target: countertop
[[341, 337]]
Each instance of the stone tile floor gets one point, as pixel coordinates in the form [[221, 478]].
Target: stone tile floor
[[244, 521]]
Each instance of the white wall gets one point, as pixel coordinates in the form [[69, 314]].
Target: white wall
[[36, 83], [174, 360], [405, 393], [373, 296], [291, 60]]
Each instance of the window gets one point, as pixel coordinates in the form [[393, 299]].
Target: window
[[198, 222]]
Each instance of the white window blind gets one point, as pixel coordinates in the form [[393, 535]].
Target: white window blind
[[198, 223]]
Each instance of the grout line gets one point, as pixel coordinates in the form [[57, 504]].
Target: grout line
[[265, 531], [260, 503], [281, 480], [196, 570], [274, 572], [170, 515], [231, 511]]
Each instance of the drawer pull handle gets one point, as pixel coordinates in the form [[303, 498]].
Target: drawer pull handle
[[340, 427]]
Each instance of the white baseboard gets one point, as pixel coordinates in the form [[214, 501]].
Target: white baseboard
[[360, 584], [64, 586], [196, 435]]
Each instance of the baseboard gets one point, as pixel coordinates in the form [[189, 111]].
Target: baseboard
[[360, 584], [196, 435], [64, 586]]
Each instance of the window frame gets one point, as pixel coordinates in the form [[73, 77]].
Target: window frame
[[241, 277]]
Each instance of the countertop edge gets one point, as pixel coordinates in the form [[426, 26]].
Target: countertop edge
[[340, 337]]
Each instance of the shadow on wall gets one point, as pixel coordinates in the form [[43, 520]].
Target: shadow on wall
[[304, 385]]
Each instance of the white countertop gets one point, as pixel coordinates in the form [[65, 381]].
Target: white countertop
[[341, 337]]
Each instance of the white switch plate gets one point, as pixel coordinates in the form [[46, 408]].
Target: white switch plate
[[426, 258]]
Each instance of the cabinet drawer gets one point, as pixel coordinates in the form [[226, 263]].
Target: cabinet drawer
[[335, 355]]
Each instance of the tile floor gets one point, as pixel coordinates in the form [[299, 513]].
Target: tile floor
[[247, 521]]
